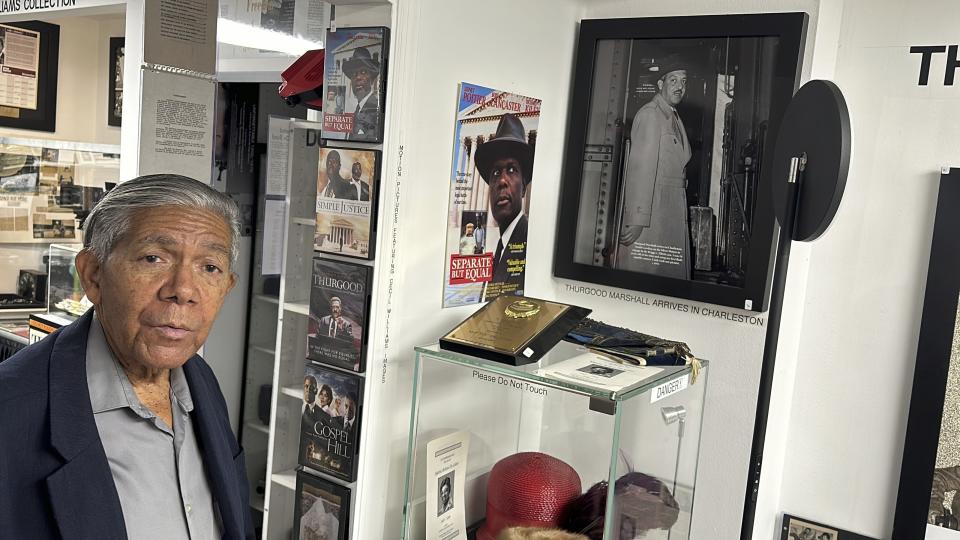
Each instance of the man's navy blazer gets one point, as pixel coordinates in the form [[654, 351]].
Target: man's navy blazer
[[55, 481]]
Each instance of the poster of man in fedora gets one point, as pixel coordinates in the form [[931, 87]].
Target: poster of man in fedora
[[495, 138], [354, 83]]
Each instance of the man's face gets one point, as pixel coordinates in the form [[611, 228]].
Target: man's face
[[159, 291], [673, 86], [445, 493], [335, 309], [362, 82], [309, 390], [348, 408], [356, 171], [506, 190], [333, 165]]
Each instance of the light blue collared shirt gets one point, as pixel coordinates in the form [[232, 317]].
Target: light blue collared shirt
[[157, 470]]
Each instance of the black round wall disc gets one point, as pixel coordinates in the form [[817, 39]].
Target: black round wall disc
[[817, 124]]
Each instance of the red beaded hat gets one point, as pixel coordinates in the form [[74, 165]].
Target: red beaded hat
[[528, 489]]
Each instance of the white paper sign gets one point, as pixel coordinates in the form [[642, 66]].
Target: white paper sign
[[598, 371], [278, 153], [669, 388], [271, 250], [446, 475], [176, 128], [181, 33]]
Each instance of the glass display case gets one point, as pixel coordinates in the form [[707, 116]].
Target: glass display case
[[640, 434], [65, 296], [47, 188]]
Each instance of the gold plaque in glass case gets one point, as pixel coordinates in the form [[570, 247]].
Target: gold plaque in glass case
[[514, 330]]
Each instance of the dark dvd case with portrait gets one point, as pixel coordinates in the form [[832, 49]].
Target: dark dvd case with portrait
[[348, 183], [339, 309], [355, 83], [330, 421], [322, 509]]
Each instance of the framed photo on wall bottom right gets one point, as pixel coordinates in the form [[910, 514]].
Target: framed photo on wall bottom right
[[928, 502]]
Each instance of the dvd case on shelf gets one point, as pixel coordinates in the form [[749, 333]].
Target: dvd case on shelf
[[354, 83], [347, 203], [322, 509], [330, 421], [339, 308]]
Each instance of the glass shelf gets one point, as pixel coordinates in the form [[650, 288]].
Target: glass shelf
[[563, 351]]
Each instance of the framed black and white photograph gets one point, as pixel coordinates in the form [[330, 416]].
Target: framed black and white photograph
[[322, 509], [115, 84], [29, 58], [796, 528], [928, 505], [666, 184]]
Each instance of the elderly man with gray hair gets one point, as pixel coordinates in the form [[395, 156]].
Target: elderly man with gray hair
[[113, 427]]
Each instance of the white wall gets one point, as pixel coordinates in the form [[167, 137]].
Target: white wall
[[531, 53], [866, 276], [524, 47], [82, 81]]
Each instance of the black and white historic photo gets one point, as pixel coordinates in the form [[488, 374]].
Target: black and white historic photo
[[672, 171], [667, 186]]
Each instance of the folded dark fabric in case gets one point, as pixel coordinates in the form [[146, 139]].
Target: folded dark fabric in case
[[625, 345]]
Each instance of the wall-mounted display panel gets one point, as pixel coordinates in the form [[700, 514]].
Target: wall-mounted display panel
[[29, 58]]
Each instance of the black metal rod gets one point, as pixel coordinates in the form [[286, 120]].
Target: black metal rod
[[769, 358]]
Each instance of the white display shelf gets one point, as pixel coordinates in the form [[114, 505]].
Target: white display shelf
[[256, 502], [287, 479], [265, 350], [257, 426], [305, 221], [267, 298], [302, 308], [292, 391]]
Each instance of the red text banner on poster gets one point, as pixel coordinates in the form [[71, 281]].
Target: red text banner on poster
[[471, 268]]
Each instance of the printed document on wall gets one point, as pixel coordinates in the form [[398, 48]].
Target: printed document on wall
[[19, 67], [176, 128]]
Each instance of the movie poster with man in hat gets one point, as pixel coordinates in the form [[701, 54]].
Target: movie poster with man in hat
[[494, 141], [354, 84]]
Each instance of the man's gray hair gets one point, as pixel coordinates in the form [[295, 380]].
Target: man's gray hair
[[112, 217]]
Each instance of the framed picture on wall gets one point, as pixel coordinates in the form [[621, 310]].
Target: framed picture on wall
[[29, 56], [928, 505], [794, 528], [115, 84], [666, 185]]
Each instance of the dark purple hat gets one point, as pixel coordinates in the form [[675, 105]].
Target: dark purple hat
[[509, 141]]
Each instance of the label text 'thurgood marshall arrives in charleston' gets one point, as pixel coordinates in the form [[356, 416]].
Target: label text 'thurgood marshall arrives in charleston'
[[11, 6]]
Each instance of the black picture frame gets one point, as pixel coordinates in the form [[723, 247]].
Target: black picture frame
[[587, 257], [819, 531], [312, 487], [44, 118], [938, 327], [115, 82]]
